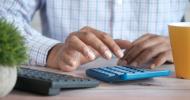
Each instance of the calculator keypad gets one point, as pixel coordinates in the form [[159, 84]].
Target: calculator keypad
[[121, 73], [104, 72]]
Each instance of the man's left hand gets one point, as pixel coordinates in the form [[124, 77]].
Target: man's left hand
[[148, 48]]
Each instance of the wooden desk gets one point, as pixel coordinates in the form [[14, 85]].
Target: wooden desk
[[164, 88]]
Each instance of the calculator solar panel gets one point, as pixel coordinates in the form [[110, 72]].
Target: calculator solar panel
[[124, 73]]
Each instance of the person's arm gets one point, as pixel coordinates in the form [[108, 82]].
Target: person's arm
[[20, 13]]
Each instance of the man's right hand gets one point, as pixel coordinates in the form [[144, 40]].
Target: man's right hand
[[81, 47]]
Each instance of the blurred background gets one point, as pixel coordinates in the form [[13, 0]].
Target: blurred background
[[37, 25]]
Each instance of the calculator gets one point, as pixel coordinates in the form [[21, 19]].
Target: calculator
[[124, 73], [48, 83]]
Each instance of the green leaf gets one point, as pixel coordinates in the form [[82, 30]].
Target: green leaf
[[13, 51]]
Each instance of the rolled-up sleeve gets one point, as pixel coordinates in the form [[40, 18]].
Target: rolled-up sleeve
[[20, 13]]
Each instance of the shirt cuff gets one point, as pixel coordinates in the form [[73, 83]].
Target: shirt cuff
[[39, 47]]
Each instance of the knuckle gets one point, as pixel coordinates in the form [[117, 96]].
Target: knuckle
[[66, 64], [161, 38], [149, 35], [70, 39], [104, 36], [150, 50], [140, 46], [68, 58], [73, 33], [85, 28], [64, 68], [87, 34], [67, 68], [115, 47], [84, 50], [74, 65], [102, 48], [72, 62], [70, 45]]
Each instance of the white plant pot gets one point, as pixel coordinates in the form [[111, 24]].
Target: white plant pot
[[8, 77]]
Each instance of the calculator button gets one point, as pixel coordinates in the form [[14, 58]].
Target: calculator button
[[104, 72], [112, 71], [126, 68], [140, 70], [119, 70]]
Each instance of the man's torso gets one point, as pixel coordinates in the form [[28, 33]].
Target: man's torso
[[125, 19]]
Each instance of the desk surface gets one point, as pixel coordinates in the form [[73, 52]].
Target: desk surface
[[163, 88]]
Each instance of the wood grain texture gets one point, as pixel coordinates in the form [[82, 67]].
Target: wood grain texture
[[163, 88]]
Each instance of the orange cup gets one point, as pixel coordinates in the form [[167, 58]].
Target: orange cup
[[180, 43]]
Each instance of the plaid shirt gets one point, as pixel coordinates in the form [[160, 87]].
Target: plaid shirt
[[124, 19]]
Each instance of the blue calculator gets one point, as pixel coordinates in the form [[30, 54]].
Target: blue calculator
[[124, 73]]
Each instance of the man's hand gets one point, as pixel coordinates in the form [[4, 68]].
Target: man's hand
[[150, 48], [81, 47]]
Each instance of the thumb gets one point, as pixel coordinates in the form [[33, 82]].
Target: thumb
[[123, 44]]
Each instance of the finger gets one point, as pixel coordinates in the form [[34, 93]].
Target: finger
[[95, 52], [137, 41], [69, 58], [149, 54], [75, 43], [91, 40], [162, 58], [65, 67], [122, 62], [123, 44], [85, 59], [111, 44], [138, 48], [107, 40]]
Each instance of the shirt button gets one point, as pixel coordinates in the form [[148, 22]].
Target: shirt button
[[119, 2]]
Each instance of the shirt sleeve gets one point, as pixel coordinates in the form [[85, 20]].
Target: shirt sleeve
[[20, 13]]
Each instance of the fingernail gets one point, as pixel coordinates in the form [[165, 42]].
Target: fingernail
[[91, 55], [134, 64], [122, 62], [108, 54], [120, 53], [74, 63], [152, 66]]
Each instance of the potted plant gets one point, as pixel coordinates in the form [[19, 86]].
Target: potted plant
[[12, 55]]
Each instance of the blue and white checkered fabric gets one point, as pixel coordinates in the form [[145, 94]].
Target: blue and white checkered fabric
[[124, 19]]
